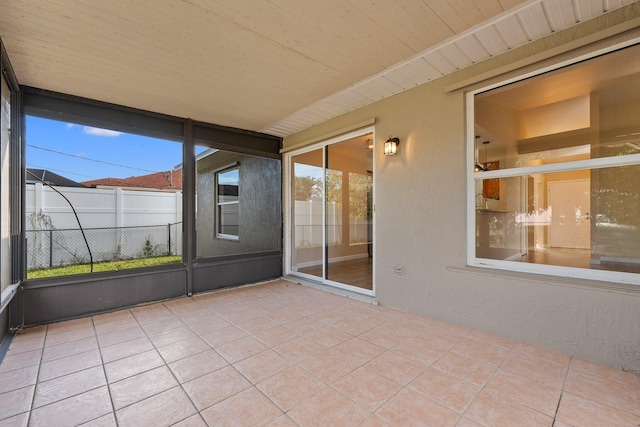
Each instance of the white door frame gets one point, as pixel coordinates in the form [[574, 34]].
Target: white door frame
[[288, 211]]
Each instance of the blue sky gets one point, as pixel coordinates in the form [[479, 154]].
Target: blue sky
[[83, 153]]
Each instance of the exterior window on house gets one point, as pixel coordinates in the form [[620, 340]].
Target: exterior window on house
[[238, 204], [556, 186], [227, 201], [99, 200]]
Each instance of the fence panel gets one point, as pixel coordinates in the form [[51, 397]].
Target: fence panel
[[119, 224], [56, 248]]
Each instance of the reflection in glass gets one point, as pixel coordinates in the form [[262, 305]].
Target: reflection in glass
[[332, 229], [360, 208], [349, 190], [566, 209], [585, 219], [307, 188], [585, 111]]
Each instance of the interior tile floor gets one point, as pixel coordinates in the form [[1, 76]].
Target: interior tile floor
[[283, 354]]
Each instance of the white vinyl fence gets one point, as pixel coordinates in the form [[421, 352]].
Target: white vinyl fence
[[309, 228], [118, 224]]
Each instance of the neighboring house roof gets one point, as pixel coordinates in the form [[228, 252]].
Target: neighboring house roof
[[50, 178], [166, 180]]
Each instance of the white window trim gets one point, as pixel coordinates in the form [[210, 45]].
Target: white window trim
[[219, 235], [579, 273]]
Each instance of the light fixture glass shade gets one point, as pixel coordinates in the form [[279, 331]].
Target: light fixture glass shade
[[369, 144], [391, 146]]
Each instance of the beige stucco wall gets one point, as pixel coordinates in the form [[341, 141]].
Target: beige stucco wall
[[420, 197]]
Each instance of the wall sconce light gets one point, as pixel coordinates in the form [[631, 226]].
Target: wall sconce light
[[391, 146], [369, 144]]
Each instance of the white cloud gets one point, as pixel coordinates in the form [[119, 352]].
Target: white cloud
[[70, 125], [100, 132]]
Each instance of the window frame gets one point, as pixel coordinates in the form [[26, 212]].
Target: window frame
[[218, 234], [590, 164]]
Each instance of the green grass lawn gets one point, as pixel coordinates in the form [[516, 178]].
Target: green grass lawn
[[102, 266]]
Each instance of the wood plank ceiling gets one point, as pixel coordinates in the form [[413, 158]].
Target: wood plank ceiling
[[277, 66]]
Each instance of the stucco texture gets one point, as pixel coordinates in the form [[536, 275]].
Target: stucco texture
[[420, 222], [259, 206]]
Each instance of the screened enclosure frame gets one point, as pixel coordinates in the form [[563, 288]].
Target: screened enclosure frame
[[52, 299]]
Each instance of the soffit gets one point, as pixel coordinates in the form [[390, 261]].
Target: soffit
[[277, 66]]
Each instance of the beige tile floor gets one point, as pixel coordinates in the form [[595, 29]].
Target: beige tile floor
[[283, 354]]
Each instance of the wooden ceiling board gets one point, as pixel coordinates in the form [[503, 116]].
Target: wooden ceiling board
[[129, 65], [489, 9], [354, 34], [470, 11], [287, 30], [448, 14], [412, 22], [510, 4], [276, 65]]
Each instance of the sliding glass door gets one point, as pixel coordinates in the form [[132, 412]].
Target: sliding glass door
[[307, 231], [331, 236]]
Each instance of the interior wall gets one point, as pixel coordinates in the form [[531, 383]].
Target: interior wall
[[421, 210]]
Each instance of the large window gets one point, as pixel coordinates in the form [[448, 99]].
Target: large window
[[227, 188], [99, 200], [554, 183]]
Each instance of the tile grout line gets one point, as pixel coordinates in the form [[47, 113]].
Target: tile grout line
[[564, 381], [35, 387], [297, 364], [171, 371], [240, 373], [165, 365], [236, 369], [464, 412], [512, 350], [180, 384], [104, 371]]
